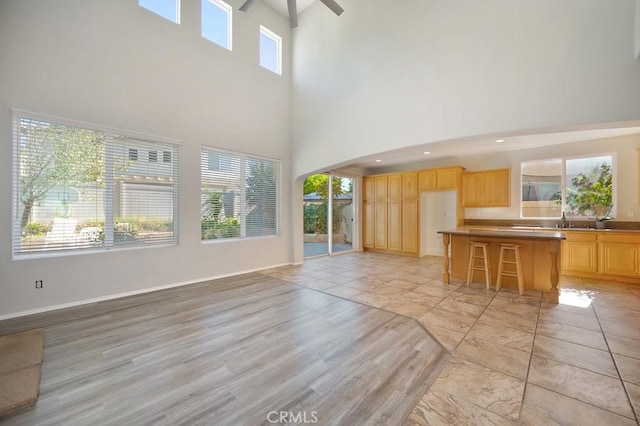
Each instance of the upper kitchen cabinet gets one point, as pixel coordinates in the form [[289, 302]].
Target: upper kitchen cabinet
[[445, 178], [394, 186], [487, 188], [380, 187], [369, 188], [410, 185]]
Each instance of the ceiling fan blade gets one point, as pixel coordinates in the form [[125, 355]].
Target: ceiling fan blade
[[331, 4], [247, 4], [293, 13]]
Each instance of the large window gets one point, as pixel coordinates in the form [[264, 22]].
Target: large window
[[216, 22], [168, 9], [239, 195], [270, 50], [78, 187], [581, 187]]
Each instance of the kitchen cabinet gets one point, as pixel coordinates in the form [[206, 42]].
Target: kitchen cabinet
[[391, 207], [472, 189], [487, 188], [608, 255], [368, 227], [619, 254], [497, 188], [380, 187], [394, 186], [448, 177], [394, 226], [427, 180], [441, 179], [368, 192], [380, 225], [580, 252], [410, 230], [410, 185]]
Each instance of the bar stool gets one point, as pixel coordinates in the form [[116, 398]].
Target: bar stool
[[473, 266], [504, 248]]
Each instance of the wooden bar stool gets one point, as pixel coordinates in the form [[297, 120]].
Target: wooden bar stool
[[504, 248], [473, 266]]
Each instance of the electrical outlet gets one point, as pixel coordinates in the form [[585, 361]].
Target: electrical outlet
[[38, 283]]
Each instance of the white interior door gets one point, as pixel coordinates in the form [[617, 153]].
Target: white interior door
[[437, 213]]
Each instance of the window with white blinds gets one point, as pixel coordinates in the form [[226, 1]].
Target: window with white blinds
[[79, 187], [240, 195]]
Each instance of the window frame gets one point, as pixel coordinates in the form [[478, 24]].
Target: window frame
[[242, 176], [563, 185], [158, 12], [278, 40], [109, 133], [224, 7]]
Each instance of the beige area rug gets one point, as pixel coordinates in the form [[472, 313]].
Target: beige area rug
[[21, 357]]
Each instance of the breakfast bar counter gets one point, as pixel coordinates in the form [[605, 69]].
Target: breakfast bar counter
[[539, 252]]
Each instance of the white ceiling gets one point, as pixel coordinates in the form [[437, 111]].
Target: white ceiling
[[281, 6], [484, 145]]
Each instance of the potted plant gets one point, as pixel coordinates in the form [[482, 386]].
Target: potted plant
[[592, 192]]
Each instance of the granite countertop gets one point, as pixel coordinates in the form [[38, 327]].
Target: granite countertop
[[530, 228], [554, 225], [507, 232]]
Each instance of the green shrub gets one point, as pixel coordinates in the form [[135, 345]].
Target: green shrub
[[148, 224], [36, 229], [214, 229], [315, 218]]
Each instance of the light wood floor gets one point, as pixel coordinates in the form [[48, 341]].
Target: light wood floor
[[229, 352]]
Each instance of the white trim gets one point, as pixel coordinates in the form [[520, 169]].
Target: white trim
[[144, 137], [133, 293], [229, 11], [275, 37]]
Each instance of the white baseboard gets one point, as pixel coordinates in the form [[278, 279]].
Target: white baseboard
[[130, 293]]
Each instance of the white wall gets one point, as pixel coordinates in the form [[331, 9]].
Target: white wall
[[388, 75], [637, 46], [116, 64]]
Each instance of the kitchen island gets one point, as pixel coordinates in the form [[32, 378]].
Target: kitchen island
[[539, 253]]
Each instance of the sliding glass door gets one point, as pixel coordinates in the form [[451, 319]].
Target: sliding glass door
[[328, 214], [342, 208]]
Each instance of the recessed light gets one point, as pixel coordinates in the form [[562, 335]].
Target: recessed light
[[378, 161], [427, 152], [499, 140]]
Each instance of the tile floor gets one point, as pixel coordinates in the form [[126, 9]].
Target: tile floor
[[516, 359]]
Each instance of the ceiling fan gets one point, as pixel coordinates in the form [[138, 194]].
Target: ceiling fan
[[293, 11]]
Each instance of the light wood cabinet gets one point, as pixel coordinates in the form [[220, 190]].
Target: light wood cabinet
[[391, 207], [472, 189], [410, 227], [394, 226], [444, 178], [380, 225], [380, 186], [368, 227], [394, 186], [368, 192], [487, 188], [619, 255], [427, 180], [410, 185], [602, 255], [448, 177], [580, 252], [497, 187]]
